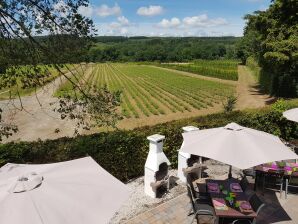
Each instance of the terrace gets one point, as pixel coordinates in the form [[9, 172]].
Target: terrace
[[257, 195], [175, 211]]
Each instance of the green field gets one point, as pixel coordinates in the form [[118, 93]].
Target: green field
[[148, 91], [222, 69]]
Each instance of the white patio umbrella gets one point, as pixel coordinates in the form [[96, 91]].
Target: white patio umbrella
[[291, 114], [72, 192], [236, 146]]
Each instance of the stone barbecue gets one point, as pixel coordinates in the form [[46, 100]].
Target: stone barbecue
[[156, 178]]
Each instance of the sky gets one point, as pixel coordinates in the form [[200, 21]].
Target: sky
[[171, 17]]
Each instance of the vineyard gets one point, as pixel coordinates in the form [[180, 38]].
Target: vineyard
[[148, 91], [223, 69]]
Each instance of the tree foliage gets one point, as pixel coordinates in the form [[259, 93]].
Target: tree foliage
[[163, 49], [35, 32], [271, 36]]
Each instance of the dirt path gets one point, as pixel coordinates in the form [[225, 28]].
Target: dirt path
[[248, 95], [37, 118]]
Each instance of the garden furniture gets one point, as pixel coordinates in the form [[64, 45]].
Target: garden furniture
[[197, 195], [202, 211], [229, 200], [291, 181]]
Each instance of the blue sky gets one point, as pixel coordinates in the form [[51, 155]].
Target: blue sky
[[171, 17]]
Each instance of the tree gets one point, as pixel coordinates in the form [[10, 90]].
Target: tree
[[271, 36], [34, 32]]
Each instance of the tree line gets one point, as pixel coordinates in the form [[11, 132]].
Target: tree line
[[162, 49], [271, 37]]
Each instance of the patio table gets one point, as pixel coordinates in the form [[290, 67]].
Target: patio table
[[219, 197], [262, 170]]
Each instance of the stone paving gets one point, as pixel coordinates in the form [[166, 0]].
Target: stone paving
[[277, 210]]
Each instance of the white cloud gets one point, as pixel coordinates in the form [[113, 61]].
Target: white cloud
[[165, 23], [169, 27], [86, 11], [123, 31], [203, 21], [151, 10], [200, 21], [104, 10], [122, 22], [121, 27]]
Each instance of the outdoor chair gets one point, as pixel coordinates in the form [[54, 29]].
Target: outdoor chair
[[274, 178], [203, 197], [204, 213], [245, 185], [291, 181], [249, 173], [257, 204], [242, 221]]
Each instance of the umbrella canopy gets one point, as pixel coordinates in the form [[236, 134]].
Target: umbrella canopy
[[291, 114], [72, 192], [236, 146]]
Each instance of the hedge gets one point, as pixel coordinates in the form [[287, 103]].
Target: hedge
[[123, 153]]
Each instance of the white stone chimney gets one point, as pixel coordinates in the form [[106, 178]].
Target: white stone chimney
[[155, 157], [183, 156]]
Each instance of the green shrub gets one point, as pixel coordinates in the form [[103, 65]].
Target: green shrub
[[123, 153]]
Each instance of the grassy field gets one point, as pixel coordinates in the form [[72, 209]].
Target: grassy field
[[44, 74], [222, 69], [148, 91]]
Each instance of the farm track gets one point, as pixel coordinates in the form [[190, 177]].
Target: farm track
[[248, 94], [35, 120]]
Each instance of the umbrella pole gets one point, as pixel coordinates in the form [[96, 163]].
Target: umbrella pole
[[230, 172], [200, 162]]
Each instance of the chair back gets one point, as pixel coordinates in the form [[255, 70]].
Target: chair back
[[256, 203], [191, 198], [242, 221], [190, 179], [293, 180], [244, 183], [249, 172]]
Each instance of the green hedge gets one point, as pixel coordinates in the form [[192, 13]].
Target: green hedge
[[123, 153]]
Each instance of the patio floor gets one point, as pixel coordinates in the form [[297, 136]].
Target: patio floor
[[283, 211]]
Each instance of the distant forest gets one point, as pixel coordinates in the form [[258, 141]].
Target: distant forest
[[162, 49]]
